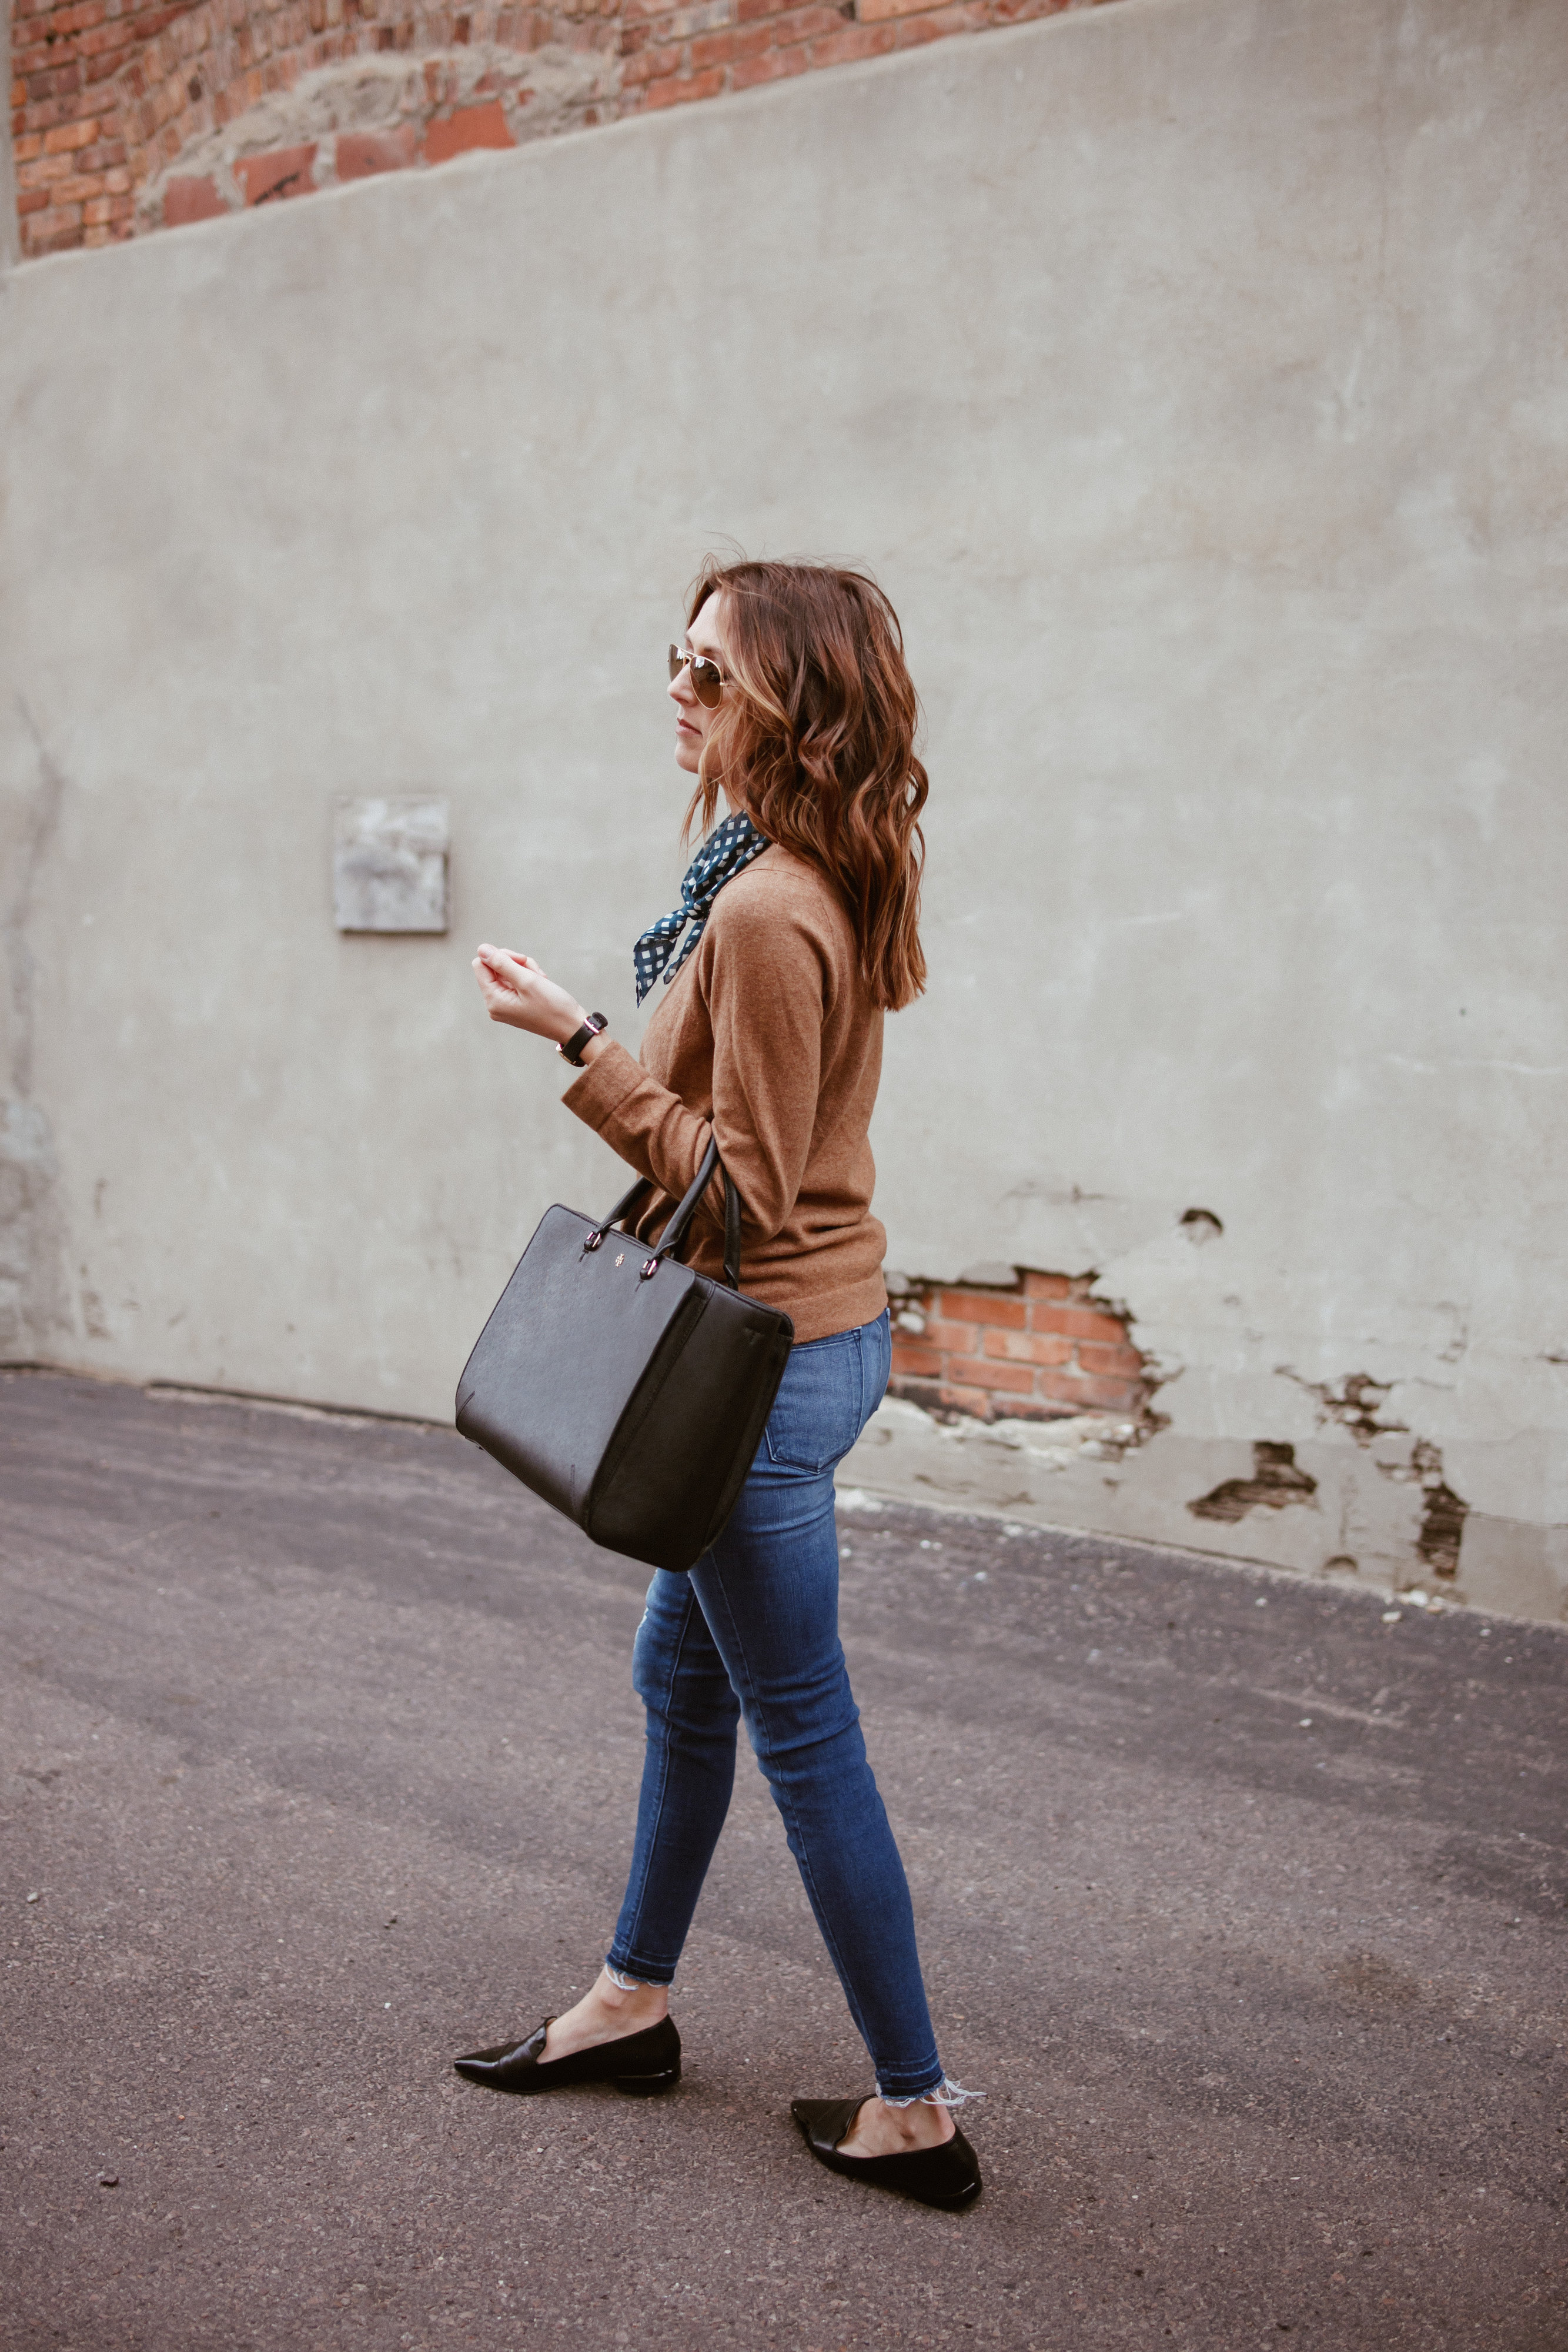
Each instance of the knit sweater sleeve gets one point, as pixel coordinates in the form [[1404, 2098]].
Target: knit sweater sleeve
[[765, 977]]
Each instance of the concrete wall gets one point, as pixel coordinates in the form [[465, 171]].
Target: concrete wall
[[1192, 374]]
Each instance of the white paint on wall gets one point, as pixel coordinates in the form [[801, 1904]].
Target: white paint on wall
[[1190, 372]]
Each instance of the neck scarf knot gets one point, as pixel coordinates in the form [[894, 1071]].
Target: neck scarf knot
[[728, 848]]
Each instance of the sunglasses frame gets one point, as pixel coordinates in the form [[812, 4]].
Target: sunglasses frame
[[680, 661]]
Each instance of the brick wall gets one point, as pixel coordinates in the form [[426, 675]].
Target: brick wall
[[1036, 1350], [73, 184], [674, 55], [128, 117]]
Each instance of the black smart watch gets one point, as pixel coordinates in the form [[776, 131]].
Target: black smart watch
[[572, 1049]]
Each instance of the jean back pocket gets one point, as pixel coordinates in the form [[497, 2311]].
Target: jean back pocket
[[816, 1416]]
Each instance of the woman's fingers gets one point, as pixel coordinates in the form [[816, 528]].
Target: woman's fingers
[[517, 991], [497, 991], [507, 961]]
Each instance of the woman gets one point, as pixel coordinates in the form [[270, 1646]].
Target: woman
[[791, 695]]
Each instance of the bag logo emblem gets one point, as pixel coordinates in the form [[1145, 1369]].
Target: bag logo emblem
[[621, 1259]]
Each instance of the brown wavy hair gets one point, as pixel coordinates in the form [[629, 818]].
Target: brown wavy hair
[[815, 741]]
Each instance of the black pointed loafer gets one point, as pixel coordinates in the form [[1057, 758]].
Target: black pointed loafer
[[638, 2063], [947, 2176]]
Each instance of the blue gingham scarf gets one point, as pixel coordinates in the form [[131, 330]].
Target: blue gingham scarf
[[728, 847]]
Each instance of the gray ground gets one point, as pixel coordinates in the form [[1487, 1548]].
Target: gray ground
[[1245, 1909]]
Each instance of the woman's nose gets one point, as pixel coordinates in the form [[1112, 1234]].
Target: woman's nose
[[681, 686]]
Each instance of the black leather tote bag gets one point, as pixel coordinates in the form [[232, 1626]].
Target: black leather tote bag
[[625, 1390]]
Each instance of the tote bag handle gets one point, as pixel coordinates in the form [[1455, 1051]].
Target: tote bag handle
[[672, 1242]]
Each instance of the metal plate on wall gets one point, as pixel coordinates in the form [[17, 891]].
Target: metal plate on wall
[[389, 865]]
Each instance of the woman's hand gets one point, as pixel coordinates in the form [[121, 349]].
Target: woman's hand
[[516, 990]]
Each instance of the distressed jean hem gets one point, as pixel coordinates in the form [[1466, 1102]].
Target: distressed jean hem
[[899, 2087], [648, 1972], [945, 2094]]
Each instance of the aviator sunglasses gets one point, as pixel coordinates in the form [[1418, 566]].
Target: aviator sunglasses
[[707, 679]]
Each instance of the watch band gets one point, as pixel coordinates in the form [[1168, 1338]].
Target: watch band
[[571, 1051]]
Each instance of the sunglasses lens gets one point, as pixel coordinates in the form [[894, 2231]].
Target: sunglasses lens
[[707, 679]]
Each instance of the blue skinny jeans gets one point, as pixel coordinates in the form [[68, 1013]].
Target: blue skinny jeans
[[754, 1630]]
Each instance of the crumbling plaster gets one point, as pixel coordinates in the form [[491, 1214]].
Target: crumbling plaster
[[540, 93], [1191, 372]]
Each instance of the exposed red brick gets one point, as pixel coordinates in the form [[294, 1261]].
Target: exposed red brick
[[283, 172], [124, 86], [681, 88], [1018, 1378], [187, 199], [775, 65], [62, 78], [939, 1397], [752, 41], [983, 1306], [471, 127], [361, 153], [713, 50], [811, 23], [1079, 1322], [650, 65], [953, 1339], [937, 24], [49, 171], [1031, 1348], [108, 41], [58, 228], [69, 136], [849, 43], [972, 1357], [1090, 1394]]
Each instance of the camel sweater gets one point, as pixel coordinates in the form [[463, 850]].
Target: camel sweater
[[767, 1037]]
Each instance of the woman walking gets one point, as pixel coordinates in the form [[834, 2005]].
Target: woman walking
[[799, 915]]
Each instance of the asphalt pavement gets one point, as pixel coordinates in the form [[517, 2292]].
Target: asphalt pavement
[[1243, 1906]]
